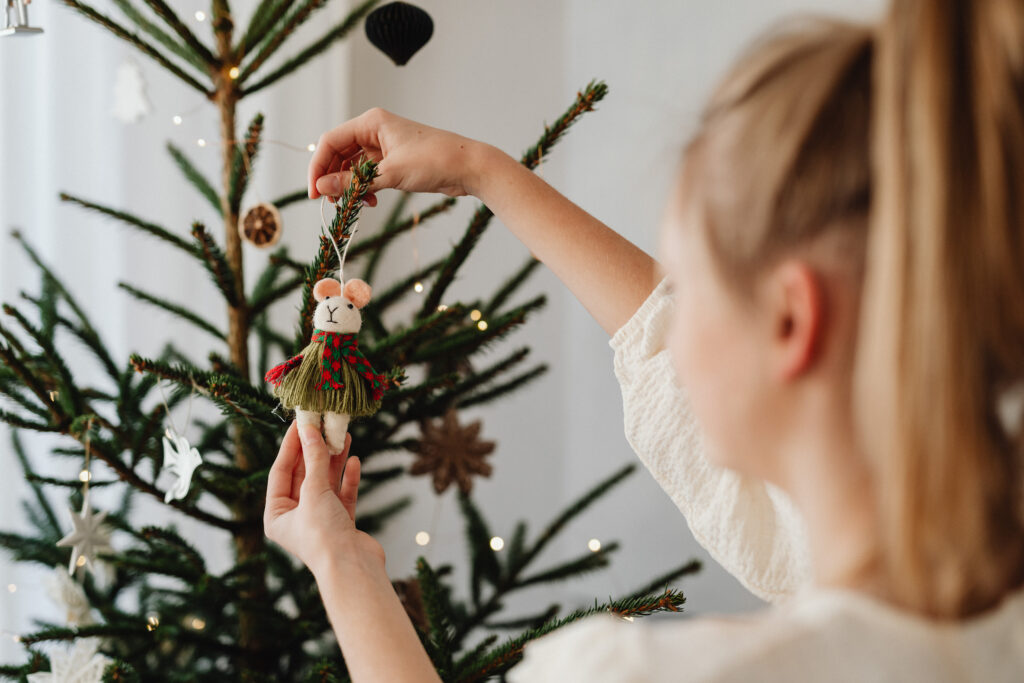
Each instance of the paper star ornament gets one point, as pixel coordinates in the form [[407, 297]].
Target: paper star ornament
[[181, 459], [82, 665], [69, 596], [89, 537]]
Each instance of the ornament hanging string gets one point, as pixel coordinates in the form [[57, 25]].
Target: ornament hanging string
[[86, 474], [341, 254], [167, 409]]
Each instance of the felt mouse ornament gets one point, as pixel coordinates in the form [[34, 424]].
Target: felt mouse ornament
[[331, 378]]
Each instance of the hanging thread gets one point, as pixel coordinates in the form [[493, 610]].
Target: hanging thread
[[341, 254]]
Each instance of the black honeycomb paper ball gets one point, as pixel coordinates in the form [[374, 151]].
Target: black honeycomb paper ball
[[399, 30]]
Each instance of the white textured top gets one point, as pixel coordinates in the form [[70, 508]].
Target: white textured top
[[755, 532]]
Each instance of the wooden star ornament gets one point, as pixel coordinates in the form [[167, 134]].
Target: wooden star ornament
[[451, 452], [89, 537]]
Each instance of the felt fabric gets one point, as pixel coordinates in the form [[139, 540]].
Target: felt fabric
[[330, 375]]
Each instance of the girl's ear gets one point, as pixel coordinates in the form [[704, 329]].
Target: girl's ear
[[358, 292], [325, 288]]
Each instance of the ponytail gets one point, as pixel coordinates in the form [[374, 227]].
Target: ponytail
[[942, 317]]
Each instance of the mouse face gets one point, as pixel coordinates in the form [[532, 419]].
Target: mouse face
[[337, 314], [338, 307]]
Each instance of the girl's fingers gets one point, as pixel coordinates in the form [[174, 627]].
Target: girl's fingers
[[298, 474], [350, 485], [279, 481]]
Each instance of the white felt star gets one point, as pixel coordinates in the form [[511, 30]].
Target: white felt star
[[69, 596], [82, 665], [181, 459], [89, 536]]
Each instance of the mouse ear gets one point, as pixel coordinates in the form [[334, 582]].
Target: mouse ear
[[358, 292], [325, 288]]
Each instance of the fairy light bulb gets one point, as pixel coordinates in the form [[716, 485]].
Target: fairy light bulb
[[11, 588], [475, 315], [418, 287], [233, 72], [200, 15], [497, 543], [198, 624], [201, 142], [177, 120], [626, 617], [422, 538], [81, 561], [594, 545], [311, 147], [442, 307], [85, 476], [152, 621], [482, 325]]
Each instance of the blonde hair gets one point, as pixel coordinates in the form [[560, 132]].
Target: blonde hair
[[905, 138]]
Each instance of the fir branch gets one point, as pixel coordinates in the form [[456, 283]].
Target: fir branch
[[173, 309], [264, 18], [194, 176], [509, 288], [528, 622], [164, 11], [243, 156], [395, 292], [216, 264], [591, 561], [290, 198], [396, 396], [52, 525], [477, 379], [505, 388], [12, 361], [315, 49], [138, 42], [574, 510], [503, 657], [19, 422], [661, 582], [274, 39], [483, 559], [441, 630], [346, 214], [585, 101], [372, 243], [389, 224], [74, 484], [258, 306], [395, 345], [67, 383], [161, 36], [150, 228], [472, 339]]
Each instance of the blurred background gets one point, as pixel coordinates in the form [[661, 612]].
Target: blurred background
[[496, 71]]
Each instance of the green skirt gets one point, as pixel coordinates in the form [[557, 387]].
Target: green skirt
[[297, 391]]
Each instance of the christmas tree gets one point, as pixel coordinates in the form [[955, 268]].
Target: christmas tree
[[161, 614]]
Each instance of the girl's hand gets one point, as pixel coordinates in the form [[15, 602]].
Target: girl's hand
[[411, 156], [311, 501]]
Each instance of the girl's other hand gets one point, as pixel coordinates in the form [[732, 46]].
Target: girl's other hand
[[411, 156], [311, 501]]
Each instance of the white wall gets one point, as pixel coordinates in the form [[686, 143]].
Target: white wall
[[496, 71]]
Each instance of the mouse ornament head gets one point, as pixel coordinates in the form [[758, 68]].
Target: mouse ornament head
[[338, 307]]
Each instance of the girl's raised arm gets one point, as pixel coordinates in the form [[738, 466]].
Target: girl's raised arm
[[609, 275]]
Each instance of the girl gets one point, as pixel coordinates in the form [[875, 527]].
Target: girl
[[819, 371]]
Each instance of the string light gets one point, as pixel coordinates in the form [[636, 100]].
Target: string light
[[84, 476], [152, 621], [177, 120], [81, 561], [628, 618], [482, 325], [233, 72], [442, 307], [54, 395], [422, 538], [201, 142], [594, 545], [198, 624], [497, 543], [200, 15], [418, 287], [311, 147], [11, 588]]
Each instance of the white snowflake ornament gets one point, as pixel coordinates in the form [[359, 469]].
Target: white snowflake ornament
[[83, 664], [181, 459], [89, 537], [130, 101], [69, 596]]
